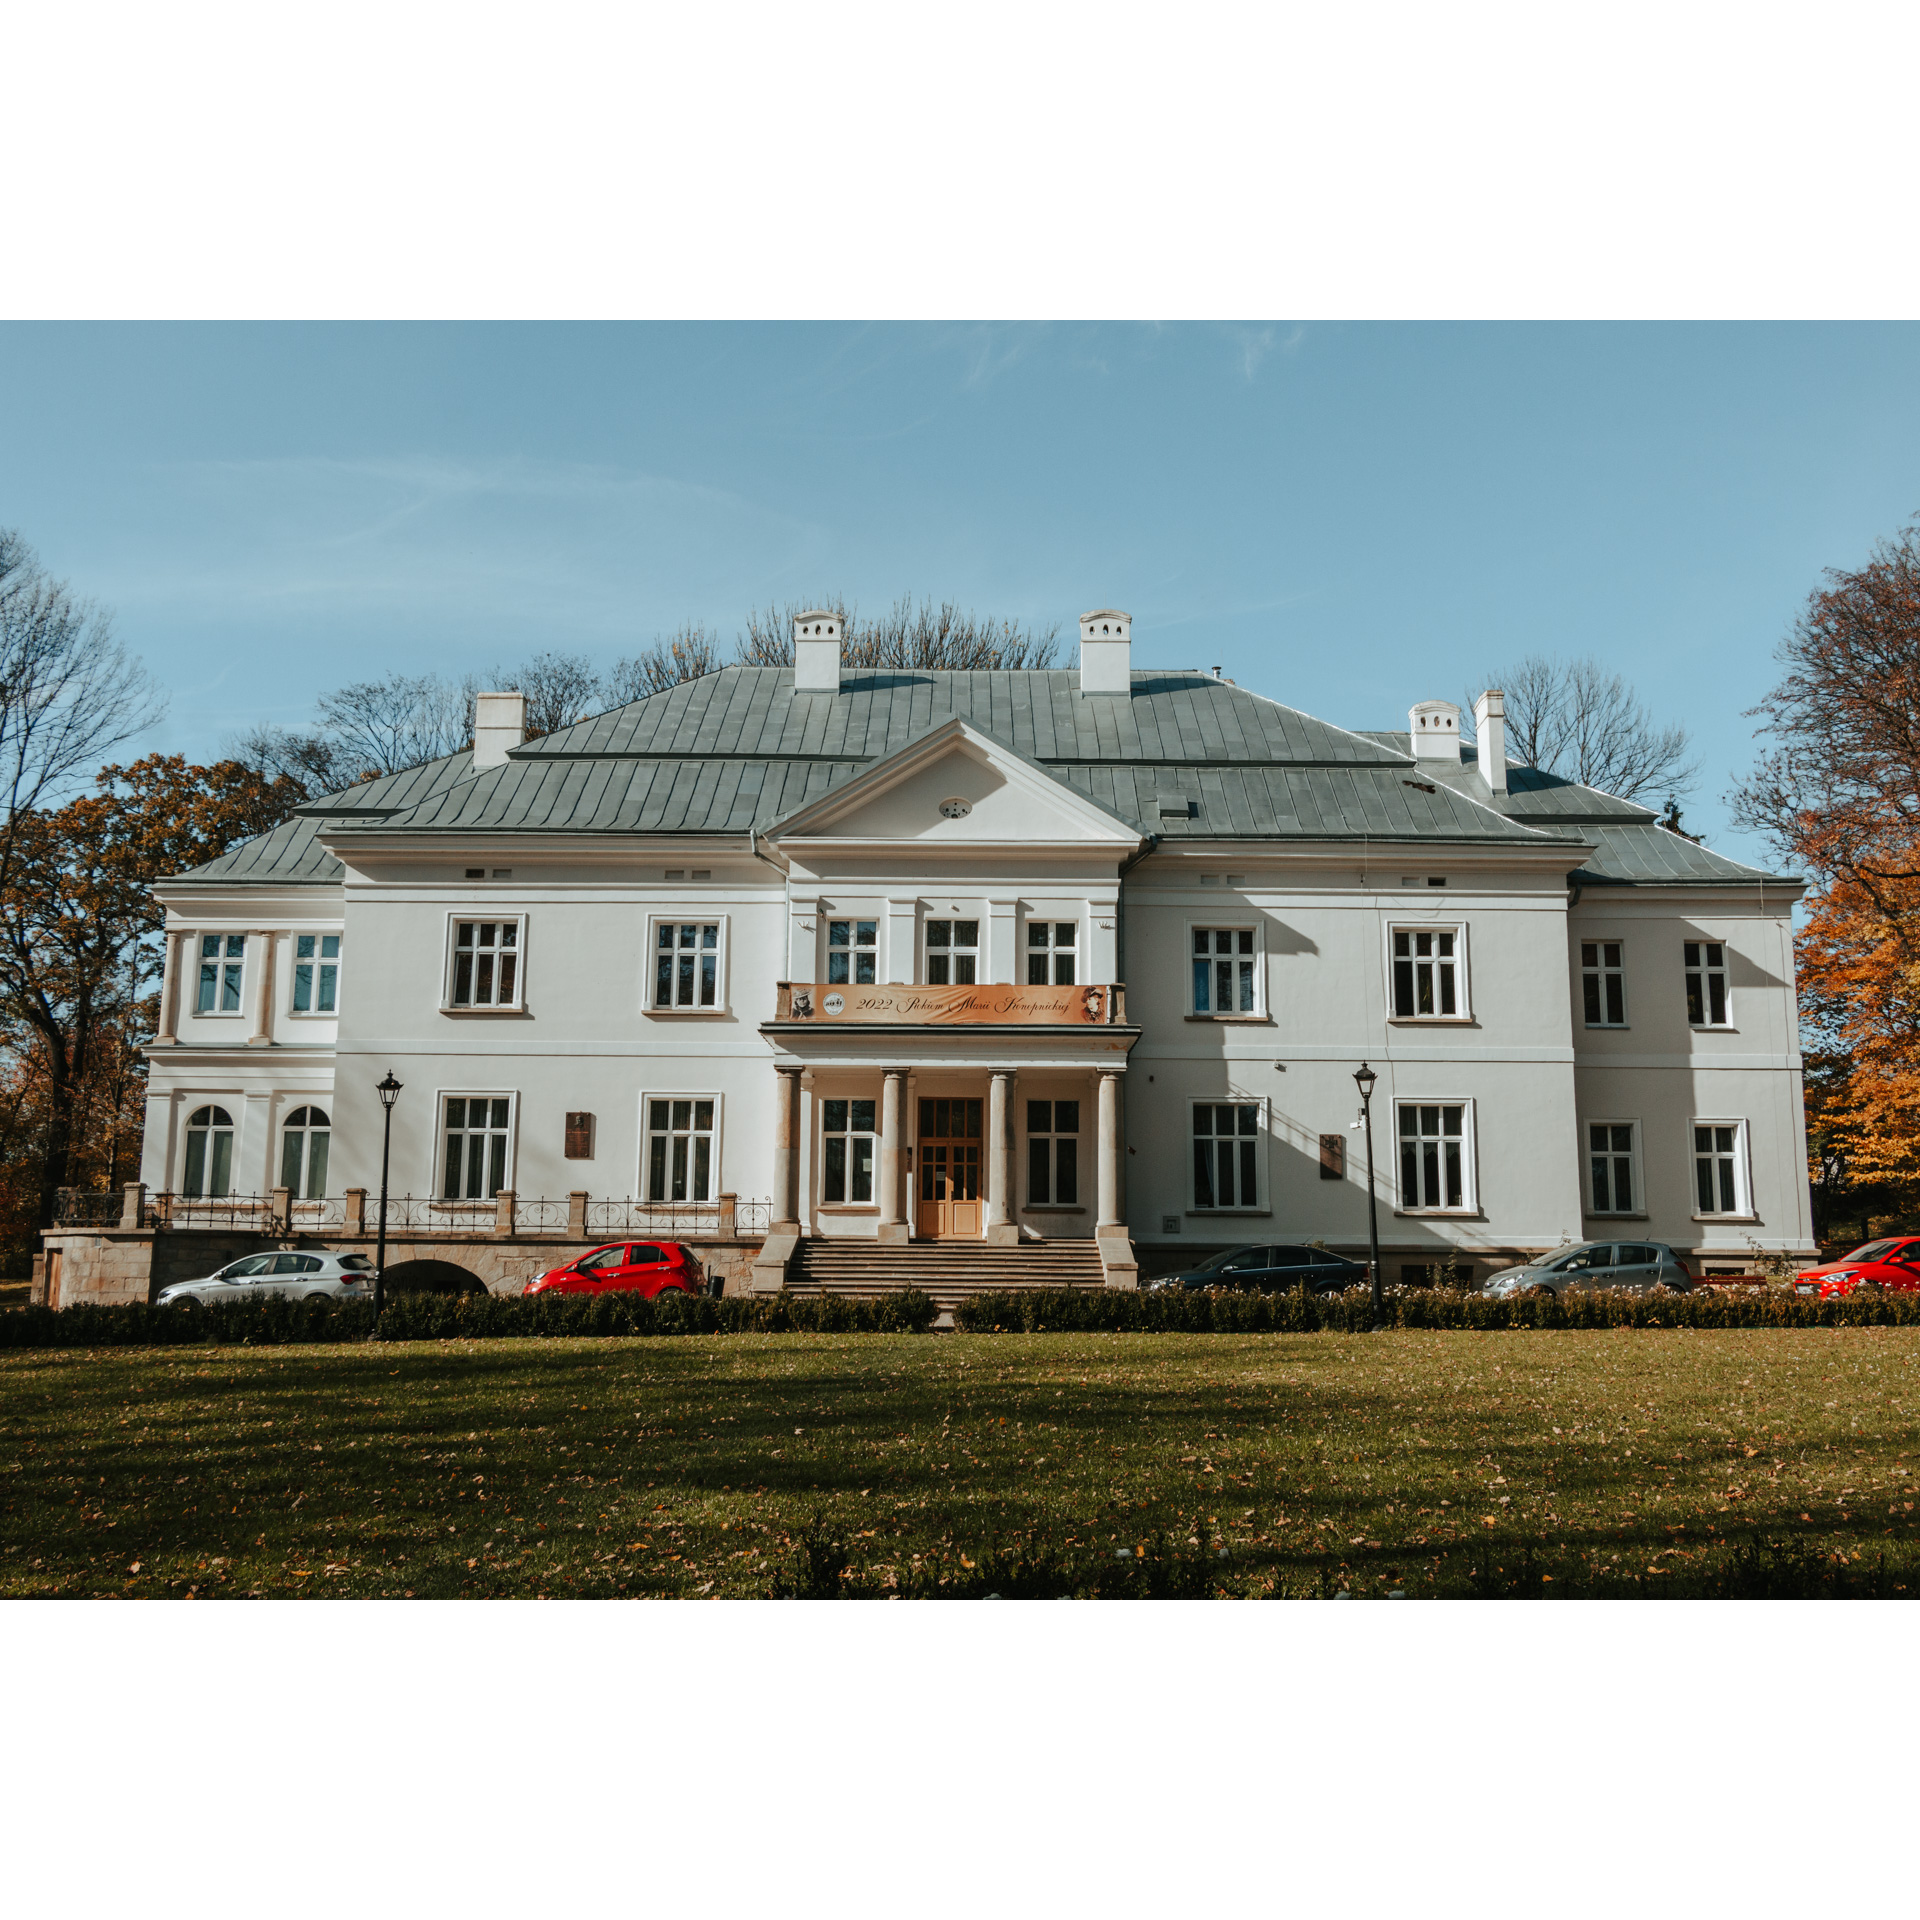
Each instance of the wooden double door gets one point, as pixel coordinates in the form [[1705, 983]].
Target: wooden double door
[[947, 1163]]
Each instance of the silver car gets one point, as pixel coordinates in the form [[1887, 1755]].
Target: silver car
[[1639, 1264], [286, 1276]]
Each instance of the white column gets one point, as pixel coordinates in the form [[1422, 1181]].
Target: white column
[[786, 1148], [893, 1226], [1109, 1151], [262, 1034], [1001, 1230], [174, 965]]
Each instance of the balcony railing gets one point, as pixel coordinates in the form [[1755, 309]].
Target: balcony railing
[[74, 1208], [578, 1216], [817, 1003]]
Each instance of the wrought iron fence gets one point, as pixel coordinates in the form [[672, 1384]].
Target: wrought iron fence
[[319, 1216], [73, 1208], [752, 1217], [223, 1212], [422, 1214], [539, 1216], [418, 1213]]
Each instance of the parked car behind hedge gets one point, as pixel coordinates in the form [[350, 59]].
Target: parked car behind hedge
[[284, 1276], [1269, 1269], [1636, 1265]]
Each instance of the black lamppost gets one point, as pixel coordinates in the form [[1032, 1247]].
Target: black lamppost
[[389, 1092], [1365, 1080]]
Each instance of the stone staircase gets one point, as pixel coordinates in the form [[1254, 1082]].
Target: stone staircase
[[948, 1270]]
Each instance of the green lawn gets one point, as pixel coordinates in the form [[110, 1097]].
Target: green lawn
[[1419, 1462]]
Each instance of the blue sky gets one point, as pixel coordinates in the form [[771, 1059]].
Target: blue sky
[[1347, 517]]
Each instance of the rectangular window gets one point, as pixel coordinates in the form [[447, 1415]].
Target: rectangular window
[[486, 963], [1053, 1153], [474, 1163], [222, 960], [1603, 983], [853, 948], [1052, 946], [1226, 1159], [846, 1152], [316, 973], [1426, 974], [1720, 1166], [686, 965], [680, 1156], [1706, 983], [953, 953], [1433, 1156], [1223, 971], [1614, 1179]]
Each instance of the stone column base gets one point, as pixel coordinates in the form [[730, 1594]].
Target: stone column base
[[893, 1233], [1005, 1233], [770, 1263]]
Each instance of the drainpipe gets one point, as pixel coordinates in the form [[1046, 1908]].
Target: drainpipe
[[1147, 846]]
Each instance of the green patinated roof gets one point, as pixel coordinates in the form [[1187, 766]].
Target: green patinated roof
[[738, 749]]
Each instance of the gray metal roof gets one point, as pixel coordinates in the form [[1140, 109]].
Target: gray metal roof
[[738, 749]]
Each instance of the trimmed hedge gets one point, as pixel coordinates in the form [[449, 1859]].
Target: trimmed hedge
[[1176, 1310], [426, 1316]]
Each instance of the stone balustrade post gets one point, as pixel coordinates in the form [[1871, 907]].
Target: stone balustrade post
[[133, 1206], [503, 1210], [577, 1214], [729, 1216], [356, 1220], [280, 1210]]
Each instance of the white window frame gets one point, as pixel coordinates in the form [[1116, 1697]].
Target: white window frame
[[288, 1130], [221, 961], [847, 1203], [1706, 973], [1050, 950], [978, 921], [1589, 1153], [1742, 1170], [855, 950], [650, 986], [319, 962], [481, 916], [441, 1130], [1462, 1014], [1052, 1136], [1600, 973], [192, 1103], [1188, 958], [1260, 1204], [1469, 1158], [642, 1187]]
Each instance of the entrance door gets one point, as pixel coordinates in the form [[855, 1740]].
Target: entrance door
[[949, 1170]]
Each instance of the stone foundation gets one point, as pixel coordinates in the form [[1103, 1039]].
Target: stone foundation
[[111, 1267]]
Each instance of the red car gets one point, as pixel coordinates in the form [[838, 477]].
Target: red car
[[650, 1267], [1892, 1264]]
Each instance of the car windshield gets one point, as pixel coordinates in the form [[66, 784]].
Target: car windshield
[[1873, 1250], [1234, 1257]]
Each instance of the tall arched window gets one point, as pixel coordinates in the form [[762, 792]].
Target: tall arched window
[[303, 1153], [209, 1173]]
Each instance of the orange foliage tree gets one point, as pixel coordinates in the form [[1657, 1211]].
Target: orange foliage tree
[[1838, 791]]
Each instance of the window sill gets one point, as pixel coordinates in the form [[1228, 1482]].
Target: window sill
[[848, 1206], [1609, 1026], [1053, 1209], [1230, 1019], [686, 1013], [1229, 1213], [1728, 1219], [1616, 1216], [483, 1011], [294, 1013], [1431, 1020], [1692, 1028], [1438, 1213]]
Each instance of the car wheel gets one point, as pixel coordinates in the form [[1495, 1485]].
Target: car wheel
[[1870, 1286], [185, 1304], [1539, 1293]]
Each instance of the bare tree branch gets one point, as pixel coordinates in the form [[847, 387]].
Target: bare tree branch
[[1576, 719], [686, 654], [922, 638]]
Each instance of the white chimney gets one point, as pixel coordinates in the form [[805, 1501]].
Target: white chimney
[[816, 652], [499, 725], [1106, 652], [1435, 727], [1490, 737]]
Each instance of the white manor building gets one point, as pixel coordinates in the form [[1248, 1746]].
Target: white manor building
[[1007, 959]]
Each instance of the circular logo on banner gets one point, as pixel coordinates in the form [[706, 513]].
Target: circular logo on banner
[[835, 1003], [955, 809]]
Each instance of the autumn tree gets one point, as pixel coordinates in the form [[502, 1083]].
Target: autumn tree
[[80, 936], [1837, 791]]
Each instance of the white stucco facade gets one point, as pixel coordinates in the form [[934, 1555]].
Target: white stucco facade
[[1369, 896]]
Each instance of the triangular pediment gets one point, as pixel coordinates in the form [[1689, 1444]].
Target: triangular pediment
[[955, 785]]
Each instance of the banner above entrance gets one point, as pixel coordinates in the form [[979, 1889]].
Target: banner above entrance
[[1009, 1006]]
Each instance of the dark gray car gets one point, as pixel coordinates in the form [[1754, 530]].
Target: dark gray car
[[1639, 1264], [1268, 1269]]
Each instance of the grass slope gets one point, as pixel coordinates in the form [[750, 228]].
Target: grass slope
[[1424, 1463]]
